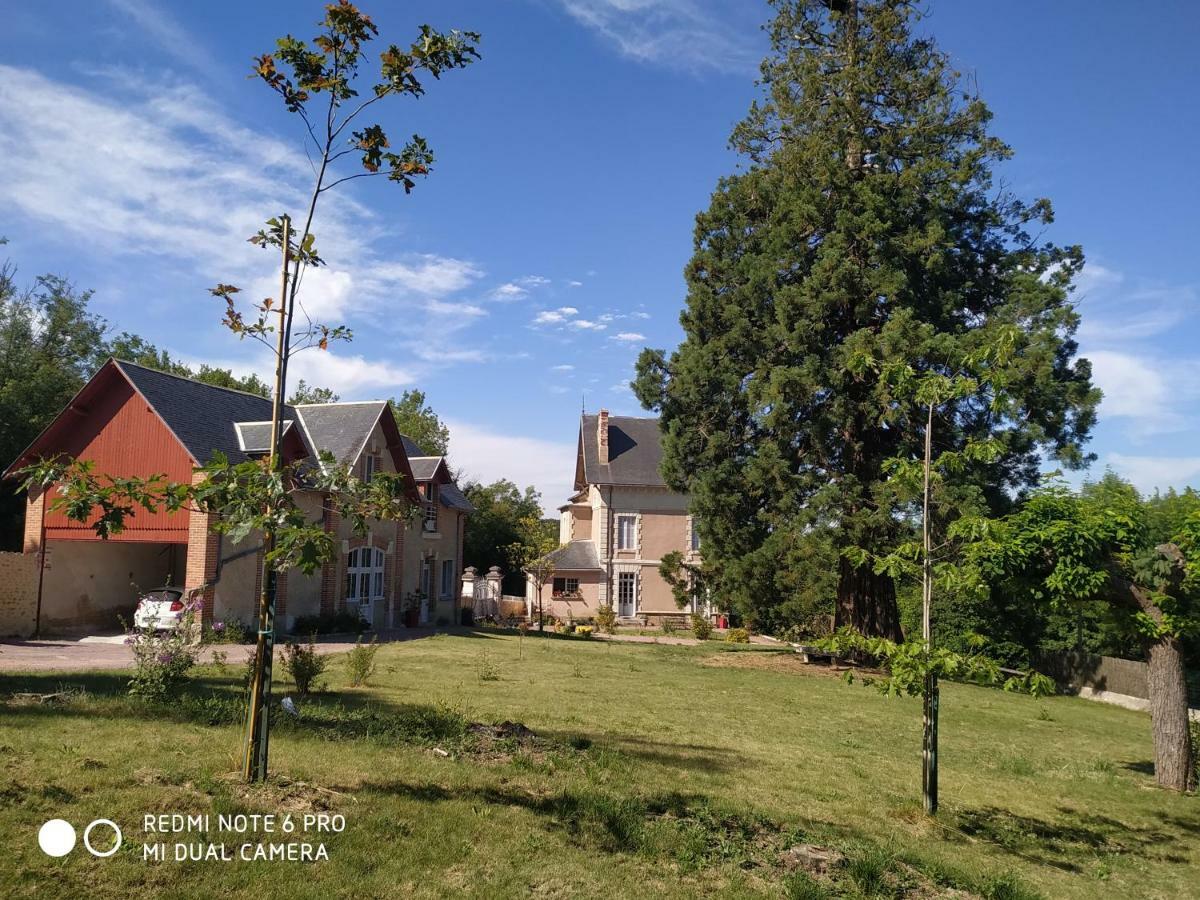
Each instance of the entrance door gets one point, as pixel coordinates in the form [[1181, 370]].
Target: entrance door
[[627, 594], [364, 581], [426, 588]]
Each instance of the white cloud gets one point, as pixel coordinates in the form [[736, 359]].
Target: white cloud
[[586, 325], [534, 281], [1154, 395], [509, 291], [640, 315], [677, 34], [555, 316], [454, 311], [628, 336], [164, 30], [565, 367], [574, 284], [423, 274], [1156, 472], [489, 455]]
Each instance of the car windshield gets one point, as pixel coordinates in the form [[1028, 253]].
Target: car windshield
[[163, 595]]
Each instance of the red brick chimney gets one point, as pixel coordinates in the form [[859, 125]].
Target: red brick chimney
[[602, 437]]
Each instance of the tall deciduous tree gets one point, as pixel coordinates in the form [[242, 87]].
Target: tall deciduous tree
[[866, 229], [1141, 559], [501, 510], [50, 343], [416, 419]]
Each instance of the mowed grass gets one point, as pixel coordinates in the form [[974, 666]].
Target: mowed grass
[[656, 771]]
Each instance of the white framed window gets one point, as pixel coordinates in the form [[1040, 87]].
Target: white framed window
[[427, 576], [371, 465], [429, 494], [447, 577], [565, 586], [626, 532], [695, 541], [364, 574]]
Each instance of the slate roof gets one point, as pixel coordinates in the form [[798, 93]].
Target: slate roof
[[410, 447], [634, 451], [424, 467], [576, 556], [340, 428], [200, 415], [452, 497], [255, 437]]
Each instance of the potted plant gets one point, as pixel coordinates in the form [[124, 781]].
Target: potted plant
[[412, 608]]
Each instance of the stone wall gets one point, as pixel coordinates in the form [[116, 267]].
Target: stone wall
[[18, 594]]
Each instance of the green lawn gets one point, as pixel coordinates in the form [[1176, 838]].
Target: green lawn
[[656, 771]]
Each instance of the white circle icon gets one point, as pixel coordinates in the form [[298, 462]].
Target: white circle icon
[[56, 837], [87, 834]]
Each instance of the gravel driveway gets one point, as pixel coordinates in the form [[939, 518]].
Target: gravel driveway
[[110, 652]]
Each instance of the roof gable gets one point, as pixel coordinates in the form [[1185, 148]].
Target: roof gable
[[634, 452]]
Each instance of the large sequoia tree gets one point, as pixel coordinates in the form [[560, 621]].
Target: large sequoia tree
[[865, 229]]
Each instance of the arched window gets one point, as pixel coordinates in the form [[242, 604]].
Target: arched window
[[364, 574]]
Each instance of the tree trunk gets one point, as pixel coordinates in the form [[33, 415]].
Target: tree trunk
[[866, 602], [1173, 763]]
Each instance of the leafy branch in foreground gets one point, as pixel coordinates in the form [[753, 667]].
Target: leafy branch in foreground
[[907, 665], [242, 498]]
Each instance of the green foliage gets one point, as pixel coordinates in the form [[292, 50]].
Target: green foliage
[[161, 659], [417, 420], [606, 619], [701, 627], [485, 668], [307, 393], [864, 236], [737, 636], [360, 662], [305, 665], [686, 579], [496, 524], [228, 631], [50, 343], [907, 665]]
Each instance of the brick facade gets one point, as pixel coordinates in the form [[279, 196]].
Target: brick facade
[[35, 512], [202, 551], [330, 573]]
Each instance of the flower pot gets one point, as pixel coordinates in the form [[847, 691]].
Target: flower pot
[[411, 617]]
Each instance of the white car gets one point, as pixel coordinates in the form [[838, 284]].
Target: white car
[[160, 609]]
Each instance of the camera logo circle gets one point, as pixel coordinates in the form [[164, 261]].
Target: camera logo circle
[[87, 834], [57, 838]]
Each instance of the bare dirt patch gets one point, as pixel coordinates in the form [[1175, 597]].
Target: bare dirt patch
[[790, 663]]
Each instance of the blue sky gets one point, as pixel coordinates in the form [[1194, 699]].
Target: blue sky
[[547, 248]]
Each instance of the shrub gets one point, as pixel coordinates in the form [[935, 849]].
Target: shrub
[[305, 666], [669, 626], [360, 662], [230, 631], [737, 636], [701, 627], [606, 619], [161, 660], [585, 630], [343, 622], [486, 668]]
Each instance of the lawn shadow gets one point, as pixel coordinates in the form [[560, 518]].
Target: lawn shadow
[[696, 757], [1054, 843], [1142, 767]]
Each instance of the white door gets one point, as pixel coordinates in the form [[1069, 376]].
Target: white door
[[627, 594]]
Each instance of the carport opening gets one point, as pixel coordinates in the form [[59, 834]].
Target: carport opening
[[91, 586]]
